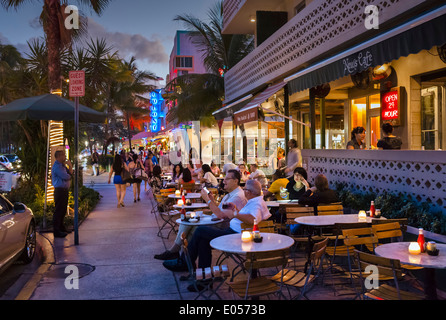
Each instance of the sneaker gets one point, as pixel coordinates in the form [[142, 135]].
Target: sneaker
[[167, 255], [176, 265]]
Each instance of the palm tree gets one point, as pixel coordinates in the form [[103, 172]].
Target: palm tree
[[57, 36], [220, 52]]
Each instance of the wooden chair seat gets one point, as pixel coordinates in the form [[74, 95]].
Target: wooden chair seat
[[385, 267], [387, 292], [257, 287]]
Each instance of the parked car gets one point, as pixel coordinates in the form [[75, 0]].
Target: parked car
[[14, 160], [8, 178], [5, 161], [17, 233]]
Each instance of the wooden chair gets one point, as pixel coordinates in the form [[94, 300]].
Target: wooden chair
[[167, 215], [386, 232], [264, 226], [211, 278], [390, 268], [330, 209], [301, 280], [359, 238], [259, 286], [189, 187]]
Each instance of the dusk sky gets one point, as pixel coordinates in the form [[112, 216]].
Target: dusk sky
[[142, 28]]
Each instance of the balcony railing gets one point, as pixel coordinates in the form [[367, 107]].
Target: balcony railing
[[323, 28], [420, 175]]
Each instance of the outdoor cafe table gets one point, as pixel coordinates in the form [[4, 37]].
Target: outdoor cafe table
[[192, 206], [331, 220], [400, 251], [233, 245], [190, 195], [277, 203], [204, 221]]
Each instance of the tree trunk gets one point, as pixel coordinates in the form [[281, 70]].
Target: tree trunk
[[52, 31]]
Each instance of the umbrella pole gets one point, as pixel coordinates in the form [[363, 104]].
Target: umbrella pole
[[46, 175]]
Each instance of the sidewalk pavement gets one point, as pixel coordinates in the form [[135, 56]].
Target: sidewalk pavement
[[114, 257]]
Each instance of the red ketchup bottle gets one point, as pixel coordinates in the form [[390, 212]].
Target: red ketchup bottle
[[420, 239], [372, 209]]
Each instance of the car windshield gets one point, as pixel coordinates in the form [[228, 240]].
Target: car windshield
[[11, 157]]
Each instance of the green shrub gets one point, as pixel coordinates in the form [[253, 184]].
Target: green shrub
[[395, 206]]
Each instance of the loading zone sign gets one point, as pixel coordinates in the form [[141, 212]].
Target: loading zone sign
[[77, 83]]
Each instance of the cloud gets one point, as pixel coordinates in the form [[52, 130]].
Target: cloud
[[127, 45]]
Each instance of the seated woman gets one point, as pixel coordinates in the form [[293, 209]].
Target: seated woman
[[319, 194], [357, 141], [243, 172], [298, 184], [186, 180], [215, 169], [389, 141], [279, 181], [156, 182], [177, 172], [209, 180]]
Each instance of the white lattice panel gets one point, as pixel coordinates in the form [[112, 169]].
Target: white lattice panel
[[418, 174]]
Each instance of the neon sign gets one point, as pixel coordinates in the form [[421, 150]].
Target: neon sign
[[390, 106], [155, 110]]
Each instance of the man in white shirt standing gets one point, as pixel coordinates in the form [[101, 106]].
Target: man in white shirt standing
[[293, 158]]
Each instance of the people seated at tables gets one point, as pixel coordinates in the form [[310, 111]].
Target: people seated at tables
[[197, 171], [215, 169], [258, 175], [357, 141], [243, 172], [234, 194], [177, 172], [277, 159], [279, 181], [298, 184], [319, 194], [208, 179], [199, 247]]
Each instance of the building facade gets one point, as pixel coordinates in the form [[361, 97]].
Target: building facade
[[335, 65]]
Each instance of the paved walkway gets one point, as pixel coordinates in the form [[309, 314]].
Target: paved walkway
[[114, 257]]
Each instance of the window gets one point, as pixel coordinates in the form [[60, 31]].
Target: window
[[183, 62], [300, 6]]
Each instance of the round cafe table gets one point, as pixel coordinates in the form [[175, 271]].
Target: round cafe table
[[330, 220], [204, 221], [191, 195], [192, 206], [232, 243], [400, 251]]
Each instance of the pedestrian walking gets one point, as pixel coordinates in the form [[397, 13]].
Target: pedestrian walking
[[95, 163], [61, 174], [117, 168], [136, 182]]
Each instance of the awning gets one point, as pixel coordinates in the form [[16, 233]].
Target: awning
[[250, 111], [228, 110], [421, 33]]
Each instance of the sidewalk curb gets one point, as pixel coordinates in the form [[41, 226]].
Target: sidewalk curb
[[45, 253]]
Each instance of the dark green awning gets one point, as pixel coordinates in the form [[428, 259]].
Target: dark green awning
[[411, 37]]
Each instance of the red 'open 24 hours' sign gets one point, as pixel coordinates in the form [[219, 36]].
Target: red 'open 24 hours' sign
[[77, 83], [390, 106]]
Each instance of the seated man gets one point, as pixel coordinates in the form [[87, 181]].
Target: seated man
[[258, 175], [255, 208], [234, 195]]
